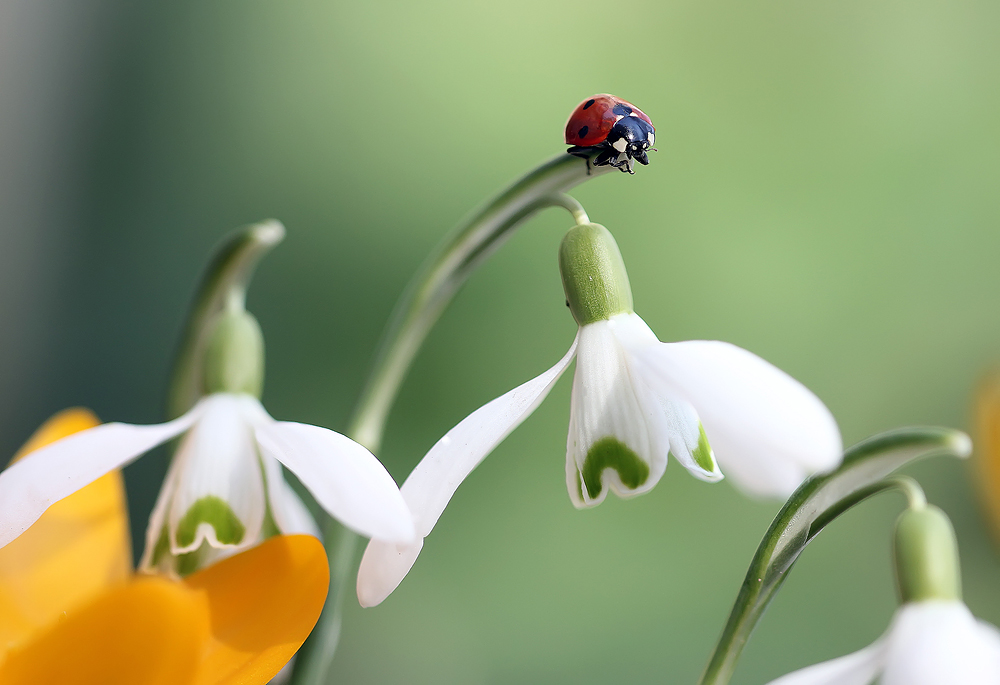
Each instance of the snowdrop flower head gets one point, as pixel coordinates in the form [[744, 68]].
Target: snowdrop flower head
[[933, 639], [224, 490], [636, 402]]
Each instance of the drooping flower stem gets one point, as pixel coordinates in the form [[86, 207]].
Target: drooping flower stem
[[418, 309], [436, 283], [812, 507], [223, 287]]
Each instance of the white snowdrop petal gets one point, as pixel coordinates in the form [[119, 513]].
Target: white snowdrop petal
[[941, 643], [158, 518], [859, 668], [290, 514], [344, 477], [688, 442], [430, 486], [296, 517], [383, 567], [766, 428], [676, 419], [42, 478], [219, 495], [618, 437]]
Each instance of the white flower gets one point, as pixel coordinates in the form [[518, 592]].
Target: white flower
[[635, 402], [933, 642], [225, 488]]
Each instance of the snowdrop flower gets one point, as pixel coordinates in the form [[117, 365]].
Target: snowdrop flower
[[933, 639], [224, 490], [635, 402]]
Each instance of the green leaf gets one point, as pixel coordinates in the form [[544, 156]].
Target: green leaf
[[817, 502]]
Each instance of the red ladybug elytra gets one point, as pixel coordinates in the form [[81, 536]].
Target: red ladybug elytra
[[619, 129]]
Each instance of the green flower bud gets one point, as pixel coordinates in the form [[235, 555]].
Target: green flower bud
[[926, 556], [234, 360], [593, 274]]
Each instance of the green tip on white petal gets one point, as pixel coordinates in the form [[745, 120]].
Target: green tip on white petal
[[215, 512], [209, 510], [926, 556], [593, 274], [702, 454], [611, 453], [234, 360]]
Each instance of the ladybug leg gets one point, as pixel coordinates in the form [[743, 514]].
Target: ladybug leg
[[584, 153], [623, 163]]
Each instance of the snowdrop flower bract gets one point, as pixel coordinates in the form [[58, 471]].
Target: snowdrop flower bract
[[224, 491], [933, 639], [635, 402]]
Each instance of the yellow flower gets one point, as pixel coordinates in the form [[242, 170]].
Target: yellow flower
[[72, 612], [986, 457]]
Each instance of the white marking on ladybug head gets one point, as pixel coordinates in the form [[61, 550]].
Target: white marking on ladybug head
[[618, 117], [650, 138], [620, 144]]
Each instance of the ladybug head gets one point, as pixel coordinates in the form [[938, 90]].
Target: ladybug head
[[631, 137], [626, 144]]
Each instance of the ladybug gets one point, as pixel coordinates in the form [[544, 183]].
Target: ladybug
[[619, 130]]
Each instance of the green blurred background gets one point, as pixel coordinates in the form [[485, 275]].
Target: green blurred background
[[825, 194]]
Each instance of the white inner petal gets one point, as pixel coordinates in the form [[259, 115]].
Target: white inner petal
[[290, 514], [158, 519], [608, 411], [218, 465], [679, 421]]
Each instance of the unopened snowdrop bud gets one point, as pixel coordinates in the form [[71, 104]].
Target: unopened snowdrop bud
[[926, 556], [234, 360], [933, 639], [593, 274]]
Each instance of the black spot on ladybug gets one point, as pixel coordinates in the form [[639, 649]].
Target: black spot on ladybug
[[621, 110], [588, 103], [583, 131]]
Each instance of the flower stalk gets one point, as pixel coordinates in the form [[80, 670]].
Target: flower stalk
[[222, 288], [437, 282], [816, 503]]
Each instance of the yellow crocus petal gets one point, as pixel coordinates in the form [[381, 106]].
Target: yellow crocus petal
[[149, 632], [986, 457], [263, 604], [77, 549]]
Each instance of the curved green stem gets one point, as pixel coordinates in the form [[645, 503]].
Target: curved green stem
[[811, 508], [436, 283], [223, 286], [418, 309]]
